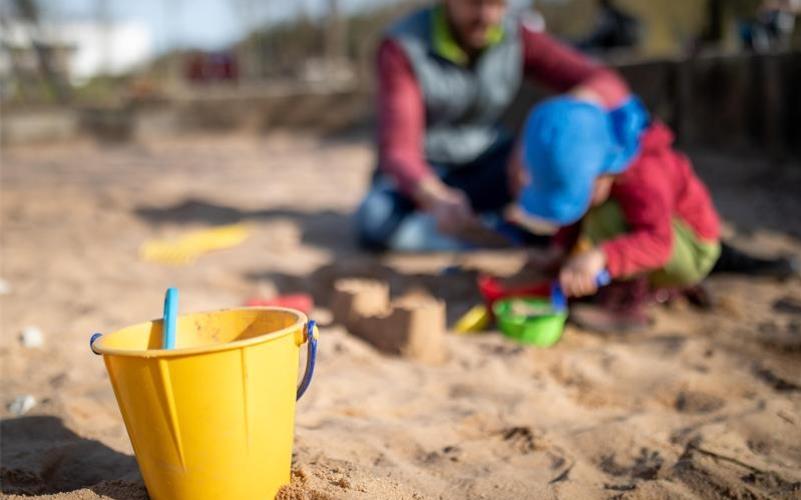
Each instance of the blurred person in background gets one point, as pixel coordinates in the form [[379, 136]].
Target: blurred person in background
[[614, 29], [771, 27], [446, 74]]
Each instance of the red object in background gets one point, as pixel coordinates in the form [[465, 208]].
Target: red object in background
[[207, 67], [493, 290], [195, 68], [303, 302], [224, 67]]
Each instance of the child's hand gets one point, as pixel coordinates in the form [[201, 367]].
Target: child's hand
[[578, 275]]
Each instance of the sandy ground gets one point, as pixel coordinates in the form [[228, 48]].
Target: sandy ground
[[705, 404]]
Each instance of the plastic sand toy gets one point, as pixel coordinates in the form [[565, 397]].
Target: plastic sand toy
[[536, 319], [474, 320], [530, 320], [187, 248], [210, 406]]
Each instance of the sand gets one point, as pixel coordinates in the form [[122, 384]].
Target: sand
[[706, 404]]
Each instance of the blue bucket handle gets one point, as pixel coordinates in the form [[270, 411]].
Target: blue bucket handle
[[92, 341], [311, 357], [310, 334]]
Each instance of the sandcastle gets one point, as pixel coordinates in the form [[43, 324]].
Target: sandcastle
[[411, 326]]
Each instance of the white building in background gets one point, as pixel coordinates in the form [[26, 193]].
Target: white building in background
[[86, 49], [114, 49]]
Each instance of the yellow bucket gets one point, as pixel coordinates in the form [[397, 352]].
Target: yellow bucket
[[214, 417]]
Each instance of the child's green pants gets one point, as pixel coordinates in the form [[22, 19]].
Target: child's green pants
[[691, 261]]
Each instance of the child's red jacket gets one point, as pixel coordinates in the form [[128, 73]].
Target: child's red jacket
[[659, 185]]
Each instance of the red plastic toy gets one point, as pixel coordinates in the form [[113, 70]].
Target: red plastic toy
[[493, 290], [303, 302]]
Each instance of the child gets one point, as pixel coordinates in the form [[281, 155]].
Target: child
[[617, 190]]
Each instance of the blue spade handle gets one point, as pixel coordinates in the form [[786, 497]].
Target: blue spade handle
[[603, 278], [558, 299], [170, 314]]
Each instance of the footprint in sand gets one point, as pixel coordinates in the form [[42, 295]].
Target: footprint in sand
[[451, 453], [646, 465], [777, 382], [698, 402], [788, 305], [787, 339], [667, 345], [522, 439], [503, 349]]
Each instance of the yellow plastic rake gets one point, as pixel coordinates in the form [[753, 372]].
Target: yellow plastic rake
[[185, 249]]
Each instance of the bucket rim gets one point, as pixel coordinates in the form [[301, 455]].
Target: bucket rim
[[299, 323]]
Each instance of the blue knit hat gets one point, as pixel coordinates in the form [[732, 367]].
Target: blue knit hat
[[569, 143]]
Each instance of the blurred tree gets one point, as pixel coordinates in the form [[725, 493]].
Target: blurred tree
[[29, 12], [336, 35], [104, 26]]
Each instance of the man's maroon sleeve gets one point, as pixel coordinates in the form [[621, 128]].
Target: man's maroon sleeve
[[562, 68], [401, 119]]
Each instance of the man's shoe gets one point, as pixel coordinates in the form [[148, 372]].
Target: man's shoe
[[733, 260]]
